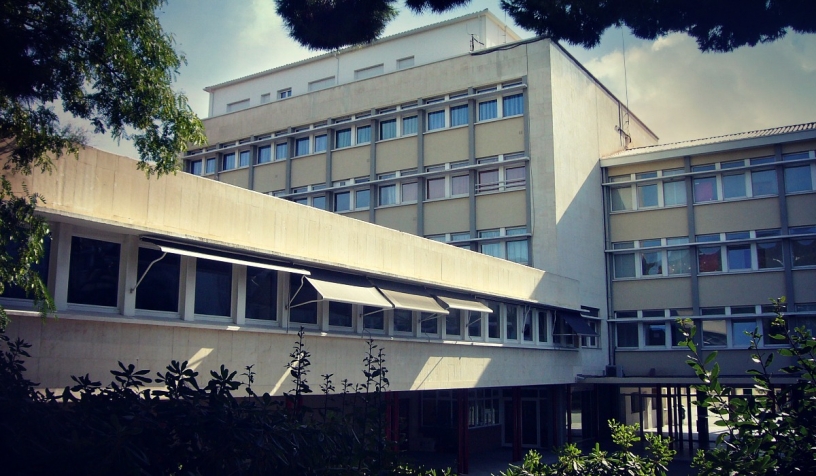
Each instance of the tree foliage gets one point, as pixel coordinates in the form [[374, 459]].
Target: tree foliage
[[772, 431], [105, 61], [716, 25]]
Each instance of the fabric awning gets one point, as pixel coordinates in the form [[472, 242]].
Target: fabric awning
[[334, 290], [464, 304], [410, 298], [577, 323], [226, 259]]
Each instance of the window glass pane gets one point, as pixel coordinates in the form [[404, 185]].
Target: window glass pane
[[513, 105], [621, 198], [679, 262], [409, 125], [195, 167], [543, 321], [527, 325], [458, 115], [733, 185], [709, 259], [705, 189], [302, 146], [655, 334], [41, 268], [677, 332], [319, 202], [491, 249], [362, 198], [623, 245], [763, 182], [460, 185], [627, 335], [388, 194], [409, 192], [373, 318], [515, 177], [213, 288], [797, 179], [264, 154], [493, 320], [769, 254], [93, 276], [517, 252], [320, 143], [674, 193], [488, 180], [714, 333], [340, 314], [243, 158], [262, 294], [342, 138], [488, 110], [228, 161], [210, 166], [435, 188], [403, 320], [804, 252], [453, 323], [363, 134], [512, 322], [436, 120], [651, 263], [342, 201], [281, 151], [388, 129], [625, 265], [300, 293], [159, 288], [474, 324], [739, 257], [428, 323], [732, 164], [647, 195], [738, 333]]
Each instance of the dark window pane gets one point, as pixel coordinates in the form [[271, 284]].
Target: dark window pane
[[213, 290], [40, 268], [543, 320], [159, 288], [627, 335], [403, 320], [340, 314], [373, 318], [262, 294], [302, 292], [474, 324], [512, 322], [453, 324], [428, 324], [493, 320], [94, 272]]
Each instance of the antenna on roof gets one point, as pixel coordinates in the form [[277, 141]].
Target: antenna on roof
[[625, 127], [473, 40]]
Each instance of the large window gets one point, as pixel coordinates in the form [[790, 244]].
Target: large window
[[436, 120], [93, 276], [409, 125], [264, 154], [488, 110], [281, 151], [656, 257], [803, 250], [513, 105], [388, 129], [458, 115], [342, 138], [302, 146], [363, 134], [262, 294], [303, 298], [213, 288], [159, 288], [228, 161], [798, 178]]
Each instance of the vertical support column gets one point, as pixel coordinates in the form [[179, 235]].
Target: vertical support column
[[658, 392], [253, 154], [238, 307], [472, 161], [187, 288], [517, 424], [129, 266], [420, 229], [671, 408], [692, 235], [783, 225], [463, 458], [63, 266]]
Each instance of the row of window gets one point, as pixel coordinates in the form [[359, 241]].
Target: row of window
[[497, 243], [727, 181], [718, 252]]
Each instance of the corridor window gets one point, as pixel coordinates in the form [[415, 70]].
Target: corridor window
[[159, 288], [93, 276], [261, 294], [213, 288]]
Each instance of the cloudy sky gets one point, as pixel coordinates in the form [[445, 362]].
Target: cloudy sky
[[677, 91]]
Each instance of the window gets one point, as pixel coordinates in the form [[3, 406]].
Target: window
[[655, 334], [488, 110], [319, 202], [763, 182], [409, 192], [321, 84], [369, 72], [266, 97], [228, 161], [93, 273], [403, 63], [436, 120], [460, 185], [388, 129], [674, 193], [513, 105], [647, 193], [213, 288], [388, 194], [243, 158], [287, 93], [281, 151], [301, 146], [194, 167], [705, 189], [628, 335], [803, 250], [403, 320], [714, 333], [709, 259], [261, 294], [409, 125], [518, 250], [543, 326], [474, 324], [342, 201], [494, 320], [515, 177], [490, 249], [210, 166], [340, 314], [303, 297], [264, 154], [428, 323], [238, 105], [734, 185], [362, 199], [511, 321], [342, 138], [678, 260], [373, 318], [363, 134], [435, 188], [740, 332], [624, 265], [653, 261], [453, 323], [159, 288], [487, 180], [620, 198], [458, 115], [320, 143]]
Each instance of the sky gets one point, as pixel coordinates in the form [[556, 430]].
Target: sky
[[677, 91]]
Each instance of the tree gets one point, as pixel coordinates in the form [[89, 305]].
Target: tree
[[716, 25], [105, 61]]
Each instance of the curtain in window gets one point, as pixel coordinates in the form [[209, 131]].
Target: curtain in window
[[409, 125], [343, 138], [388, 195], [388, 129], [513, 105], [517, 252], [363, 134], [488, 110], [264, 154], [458, 115], [281, 151], [436, 120], [320, 143]]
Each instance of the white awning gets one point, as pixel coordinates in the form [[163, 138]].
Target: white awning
[[464, 304], [224, 259], [413, 301], [349, 293]]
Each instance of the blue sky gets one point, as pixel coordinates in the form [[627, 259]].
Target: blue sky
[[677, 91]]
